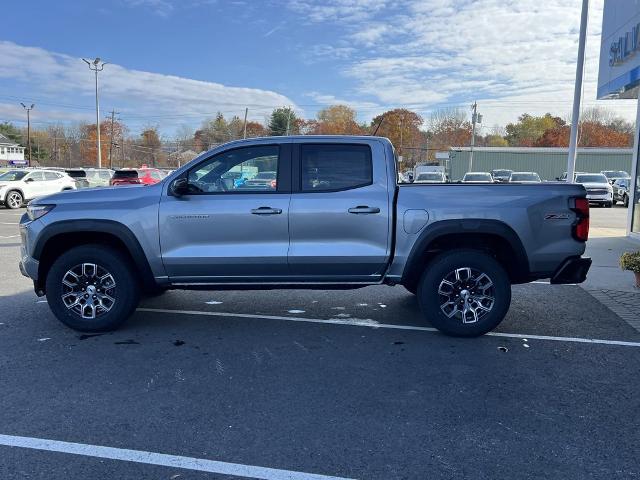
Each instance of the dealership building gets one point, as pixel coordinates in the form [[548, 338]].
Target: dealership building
[[549, 163], [619, 77]]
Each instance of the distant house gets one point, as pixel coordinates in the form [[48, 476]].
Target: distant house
[[11, 153]]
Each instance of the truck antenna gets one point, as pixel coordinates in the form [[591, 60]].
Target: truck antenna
[[379, 123]]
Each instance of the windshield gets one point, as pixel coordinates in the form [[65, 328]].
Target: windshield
[[76, 173], [430, 176], [477, 177], [591, 178], [501, 173], [524, 177], [616, 174], [12, 176]]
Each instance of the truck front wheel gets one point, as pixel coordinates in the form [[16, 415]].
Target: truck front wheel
[[464, 293], [92, 288]]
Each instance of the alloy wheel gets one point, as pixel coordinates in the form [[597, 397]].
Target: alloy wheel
[[466, 294], [88, 290], [14, 200]]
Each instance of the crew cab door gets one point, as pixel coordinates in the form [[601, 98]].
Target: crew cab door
[[339, 219], [229, 228]]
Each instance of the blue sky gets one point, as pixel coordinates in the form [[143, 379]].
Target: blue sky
[[176, 62]]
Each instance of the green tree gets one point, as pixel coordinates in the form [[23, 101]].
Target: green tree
[[280, 118], [529, 129], [11, 132], [494, 140]]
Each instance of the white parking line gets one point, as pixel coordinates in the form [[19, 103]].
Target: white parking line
[[162, 459], [372, 324]]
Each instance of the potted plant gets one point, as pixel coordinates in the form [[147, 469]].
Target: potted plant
[[631, 261]]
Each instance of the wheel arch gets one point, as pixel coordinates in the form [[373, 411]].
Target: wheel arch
[[491, 236], [16, 189], [59, 237]]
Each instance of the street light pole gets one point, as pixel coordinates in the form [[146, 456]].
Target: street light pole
[[97, 66], [28, 109]]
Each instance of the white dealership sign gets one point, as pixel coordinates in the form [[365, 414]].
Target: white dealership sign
[[619, 73]]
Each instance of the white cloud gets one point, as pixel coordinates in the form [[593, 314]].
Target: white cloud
[[143, 97], [515, 55]]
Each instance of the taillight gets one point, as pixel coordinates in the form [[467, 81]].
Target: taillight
[[581, 225]]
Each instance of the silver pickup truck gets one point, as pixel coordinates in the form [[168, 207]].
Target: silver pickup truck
[[320, 212]]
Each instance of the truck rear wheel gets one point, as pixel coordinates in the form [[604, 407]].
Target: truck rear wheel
[[464, 293], [92, 288]]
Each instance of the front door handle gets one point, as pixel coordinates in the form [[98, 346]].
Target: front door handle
[[266, 211], [363, 209]]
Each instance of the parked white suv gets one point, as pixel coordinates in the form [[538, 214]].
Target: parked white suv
[[17, 187]]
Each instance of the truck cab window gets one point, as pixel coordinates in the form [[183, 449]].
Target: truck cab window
[[242, 170], [334, 167]]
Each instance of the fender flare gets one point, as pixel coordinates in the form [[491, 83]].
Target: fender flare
[[111, 227], [468, 226]]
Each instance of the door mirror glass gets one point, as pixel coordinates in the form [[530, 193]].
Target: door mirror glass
[[179, 187]]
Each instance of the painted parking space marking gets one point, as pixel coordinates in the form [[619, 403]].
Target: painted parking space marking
[[367, 322], [162, 459]]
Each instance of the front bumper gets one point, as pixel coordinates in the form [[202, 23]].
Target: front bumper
[[28, 266], [599, 198], [572, 270]]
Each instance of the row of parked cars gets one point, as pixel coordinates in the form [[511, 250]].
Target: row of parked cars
[[606, 188], [19, 185]]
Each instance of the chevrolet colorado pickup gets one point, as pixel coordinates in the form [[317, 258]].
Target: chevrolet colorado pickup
[[332, 217]]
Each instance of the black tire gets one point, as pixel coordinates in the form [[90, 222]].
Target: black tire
[[445, 265], [10, 202], [608, 204], [411, 289], [126, 292], [625, 201]]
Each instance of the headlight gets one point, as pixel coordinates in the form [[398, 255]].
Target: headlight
[[35, 212]]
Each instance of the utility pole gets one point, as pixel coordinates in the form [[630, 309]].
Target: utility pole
[[577, 94], [113, 114], [475, 118], [28, 109], [246, 112], [55, 146], [97, 66], [288, 121]]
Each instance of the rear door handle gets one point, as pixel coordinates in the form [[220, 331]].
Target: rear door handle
[[266, 211], [363, 209]]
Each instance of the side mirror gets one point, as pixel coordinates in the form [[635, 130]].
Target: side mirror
[[179, 187], [29, 180]]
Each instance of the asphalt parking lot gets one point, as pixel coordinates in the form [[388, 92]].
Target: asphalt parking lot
[[292, 384]]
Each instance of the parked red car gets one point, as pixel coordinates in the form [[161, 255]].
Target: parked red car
[[136, 176]]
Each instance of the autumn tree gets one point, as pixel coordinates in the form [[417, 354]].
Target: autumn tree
[[401, 127], [149, 146], [449, 127], [529, 129], [337, 120], [590, 134], [280, 119], [255, 129]]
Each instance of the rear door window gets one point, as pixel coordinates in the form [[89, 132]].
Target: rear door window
[[335, 167]]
